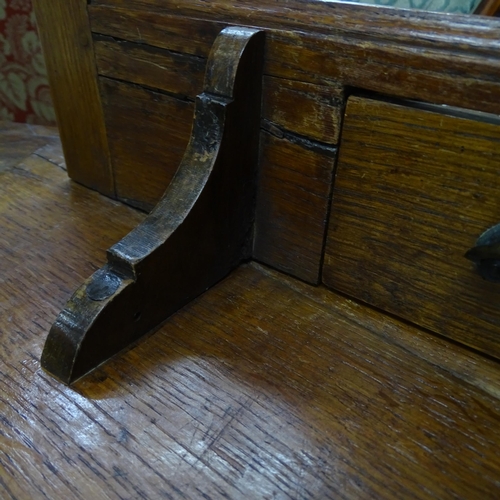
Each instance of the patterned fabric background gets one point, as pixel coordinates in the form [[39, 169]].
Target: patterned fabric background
[[24, 89]]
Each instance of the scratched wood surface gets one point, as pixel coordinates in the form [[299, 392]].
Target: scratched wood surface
[[325, 42], [289, 234], [264, 387], [306, 109], [198, 233], [169, 67], [148, 94], [314, 51], [414, 190]]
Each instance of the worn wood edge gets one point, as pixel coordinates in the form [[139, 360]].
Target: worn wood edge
[[324, 105], [180, 75], [329, 18], [311, 110], [67, 45], [368, 45], [155, 270], [286, 243]]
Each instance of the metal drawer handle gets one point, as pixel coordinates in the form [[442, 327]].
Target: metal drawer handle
[[486, 254]]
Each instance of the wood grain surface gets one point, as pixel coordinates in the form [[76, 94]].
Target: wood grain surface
[[69, 56], [293, 198], [425, 56], [174, 73], [314, 51], [413, 192], [20, 141], [262, 388], [166, 31], [148, 133], [290, 224], [311, 111], [196, 235]]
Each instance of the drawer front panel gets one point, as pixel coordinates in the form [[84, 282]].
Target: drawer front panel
[[413, 192]]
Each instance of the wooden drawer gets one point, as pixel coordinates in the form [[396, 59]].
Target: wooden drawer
[[414, 190], [138, 65], [362, 404]]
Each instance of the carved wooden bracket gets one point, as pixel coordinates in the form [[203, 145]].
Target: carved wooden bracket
[[199, 231]]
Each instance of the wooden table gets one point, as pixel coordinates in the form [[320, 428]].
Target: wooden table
[[263, 387]]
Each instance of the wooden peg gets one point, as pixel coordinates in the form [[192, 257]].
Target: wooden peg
[[200, 230]]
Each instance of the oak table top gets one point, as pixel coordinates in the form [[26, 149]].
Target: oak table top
[[264, 387]]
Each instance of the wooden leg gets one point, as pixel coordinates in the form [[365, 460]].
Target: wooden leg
[[199, 231]]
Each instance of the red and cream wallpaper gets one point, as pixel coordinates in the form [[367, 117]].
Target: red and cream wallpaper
[[24, 89]]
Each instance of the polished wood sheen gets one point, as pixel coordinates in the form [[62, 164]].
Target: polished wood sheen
[[414, 190], [262, 388]]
